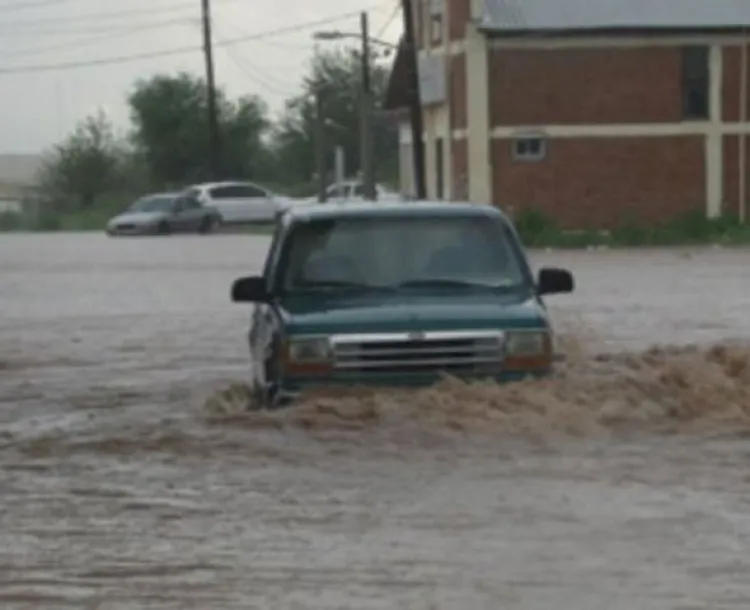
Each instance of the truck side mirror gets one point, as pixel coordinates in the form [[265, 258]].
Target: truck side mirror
[[554, 281], [250, 290]]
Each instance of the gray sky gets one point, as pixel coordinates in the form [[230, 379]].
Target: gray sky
[[40, 106]]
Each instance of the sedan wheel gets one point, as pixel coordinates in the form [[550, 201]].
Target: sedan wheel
[[209, 225]]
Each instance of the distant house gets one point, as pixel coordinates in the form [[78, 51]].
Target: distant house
[[594, 112], [17, 176]]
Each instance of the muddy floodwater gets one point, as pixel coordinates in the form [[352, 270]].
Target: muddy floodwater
[[131, 477]]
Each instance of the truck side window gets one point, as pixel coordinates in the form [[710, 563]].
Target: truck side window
[[273, 254]]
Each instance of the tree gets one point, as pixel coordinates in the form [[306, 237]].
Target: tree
[[337, 75], [170, 120], [86, 165]]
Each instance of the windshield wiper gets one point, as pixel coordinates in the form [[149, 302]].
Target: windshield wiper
[[337, 284], [444, 283]]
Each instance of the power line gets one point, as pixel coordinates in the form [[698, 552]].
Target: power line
[[24, 4], [96, 38], [389, 21], [109, 15], [252, 74], [87, 30], [171, 52]]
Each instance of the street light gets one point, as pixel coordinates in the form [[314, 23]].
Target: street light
[[338, 35], [366, 141]]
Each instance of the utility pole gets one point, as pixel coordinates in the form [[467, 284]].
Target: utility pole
[[366, 155], [415, 106], [339, 166], [213, 119], [320, 145]]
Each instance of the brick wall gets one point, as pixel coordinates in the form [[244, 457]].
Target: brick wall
[[731, 175], [459, 170], [584, 86], [731, 78], [730, 84], [457, 90], [596, 182], [459, 13], [604, 182]]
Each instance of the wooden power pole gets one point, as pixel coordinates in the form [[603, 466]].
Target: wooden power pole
[[366, 108], [415, 101], [213, 119], [321, 146]]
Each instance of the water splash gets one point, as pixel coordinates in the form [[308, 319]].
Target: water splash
[[660, 388]]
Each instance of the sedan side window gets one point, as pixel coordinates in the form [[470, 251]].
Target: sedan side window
[[337, 191], [224, 192], [251, 192], [191, 202]]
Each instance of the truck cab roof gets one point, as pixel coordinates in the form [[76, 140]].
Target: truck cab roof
[[333, 210]]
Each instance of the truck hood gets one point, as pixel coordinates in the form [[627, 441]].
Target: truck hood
[[323, 314]]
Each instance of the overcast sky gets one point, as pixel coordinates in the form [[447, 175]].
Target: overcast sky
[[41, 100]]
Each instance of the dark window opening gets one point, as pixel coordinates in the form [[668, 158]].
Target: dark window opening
[[436, 30], [695, 83], [439, 173], [533, 148]]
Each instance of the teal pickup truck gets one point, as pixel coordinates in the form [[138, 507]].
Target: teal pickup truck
[[395, 294]]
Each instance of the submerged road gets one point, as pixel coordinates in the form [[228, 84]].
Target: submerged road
[[130, 476]]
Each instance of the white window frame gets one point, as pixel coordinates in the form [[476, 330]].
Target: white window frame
[[435, 17], [526, 157]]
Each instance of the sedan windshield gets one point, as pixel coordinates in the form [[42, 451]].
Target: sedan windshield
[[153, 203], [449, 252]]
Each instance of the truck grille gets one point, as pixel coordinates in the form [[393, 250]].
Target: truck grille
[[450, 352]]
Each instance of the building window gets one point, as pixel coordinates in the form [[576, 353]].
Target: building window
[[439, 168], [435, 15], [529, 148], [695, 85]]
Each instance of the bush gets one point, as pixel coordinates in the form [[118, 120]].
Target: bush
[[10, 221], [538, 230]]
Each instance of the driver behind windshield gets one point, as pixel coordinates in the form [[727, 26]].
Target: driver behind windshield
[[468, 255], [389, 252]]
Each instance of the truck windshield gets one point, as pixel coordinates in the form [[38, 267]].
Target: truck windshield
[[403, 252]]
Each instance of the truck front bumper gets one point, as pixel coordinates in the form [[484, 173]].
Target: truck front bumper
[[292, 387]]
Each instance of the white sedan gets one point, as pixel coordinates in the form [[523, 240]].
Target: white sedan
[[239, 202], [353, 190]]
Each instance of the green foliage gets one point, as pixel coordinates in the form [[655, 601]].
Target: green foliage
[[171, 130], [337, 76], [83, 167], [532, 226], [11, 221], [537, 230], [92, 173]]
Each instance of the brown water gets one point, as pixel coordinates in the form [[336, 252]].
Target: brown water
[[131, 477]]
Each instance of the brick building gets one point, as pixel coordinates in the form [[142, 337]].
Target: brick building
[[595, 112]]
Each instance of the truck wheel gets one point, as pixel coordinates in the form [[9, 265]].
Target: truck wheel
[[264, 390]]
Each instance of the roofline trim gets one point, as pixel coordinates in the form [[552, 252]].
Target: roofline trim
[[499, 31]]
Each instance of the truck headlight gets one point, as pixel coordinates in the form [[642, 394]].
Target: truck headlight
[[526, 343], [312, 356], [528, 350], [308, 351]]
